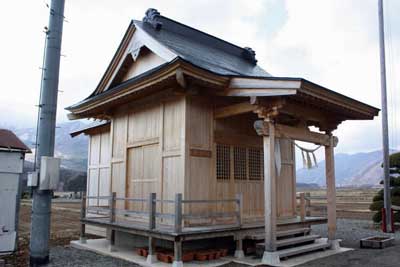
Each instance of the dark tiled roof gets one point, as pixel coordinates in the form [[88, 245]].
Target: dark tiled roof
[[201, 49], [9, 140], [91, 126]]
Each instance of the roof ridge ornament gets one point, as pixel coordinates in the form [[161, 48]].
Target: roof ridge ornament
[[249, 54], [152, 17]]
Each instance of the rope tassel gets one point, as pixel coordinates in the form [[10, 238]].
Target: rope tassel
[[309, 158]]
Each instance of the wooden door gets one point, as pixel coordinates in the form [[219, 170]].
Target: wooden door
[[143, 175]]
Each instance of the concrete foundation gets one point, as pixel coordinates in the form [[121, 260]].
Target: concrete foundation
[[177, 264], [271, 258], [101, 246]]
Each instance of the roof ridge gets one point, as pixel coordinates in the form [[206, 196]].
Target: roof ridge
[[154, 18]]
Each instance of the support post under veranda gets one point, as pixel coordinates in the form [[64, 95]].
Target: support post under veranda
[[331, 192], [82, 237], [271, 256]]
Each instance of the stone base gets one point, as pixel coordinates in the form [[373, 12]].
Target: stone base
[[271, 258], [83, 240], [334, 244], [151, 259], [239, 254], [177, 264]]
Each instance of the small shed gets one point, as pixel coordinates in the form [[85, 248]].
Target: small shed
[[12, 155]]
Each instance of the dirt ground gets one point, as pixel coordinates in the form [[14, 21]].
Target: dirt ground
[[64, 228], [352, 205]]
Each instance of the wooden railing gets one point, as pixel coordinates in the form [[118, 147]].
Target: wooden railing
[[110, 211], [305, 203]]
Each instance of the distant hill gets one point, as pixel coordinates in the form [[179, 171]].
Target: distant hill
[[360, 169], [72, 151], [70, 180]]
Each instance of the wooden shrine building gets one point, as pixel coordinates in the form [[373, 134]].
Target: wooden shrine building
[[197, 142]]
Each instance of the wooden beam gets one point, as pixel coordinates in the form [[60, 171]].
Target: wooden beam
[[258, 92], [180, 78], [305, 135], [270, 189], [257, 83], [233, 110], [330, 188]]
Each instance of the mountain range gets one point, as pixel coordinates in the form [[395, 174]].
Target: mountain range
[[360, 169]]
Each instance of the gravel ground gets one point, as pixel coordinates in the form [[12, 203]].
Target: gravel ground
[[71, 257], [350, 231]]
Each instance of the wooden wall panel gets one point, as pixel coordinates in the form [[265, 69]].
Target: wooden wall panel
[[172, 180], [199, 182], [93, 189], [173, 124], [119, 137], [118, 182], [104, 185], [105, 148], [144, 124], [98, 176], [200, 122], [94, 149], [146, 61]]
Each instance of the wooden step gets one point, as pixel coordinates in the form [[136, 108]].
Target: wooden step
[[304, 231], [280, 234], [296, 240], [318, 245], [293, 241]]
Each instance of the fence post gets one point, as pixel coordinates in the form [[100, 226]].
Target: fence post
[[239, 209], [82, 237], [152, 211], [178, 213], [302, 207], [308, 204], [112, 204]]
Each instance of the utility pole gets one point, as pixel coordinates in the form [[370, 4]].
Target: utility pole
[[41, 206], [385, 131]]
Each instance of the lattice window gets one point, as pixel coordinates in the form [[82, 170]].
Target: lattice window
[[223, 162], [256, 164], [240, 163]]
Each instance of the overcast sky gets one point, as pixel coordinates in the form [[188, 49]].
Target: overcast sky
[[330, 42]]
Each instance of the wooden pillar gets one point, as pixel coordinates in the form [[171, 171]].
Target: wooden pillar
[[178, 213], [302, 207], [82, 237], [177, 254], [239, 209], [152, 211], [111, 247], [239, 253], [112, 204], [330, 188], [270, 189], [308, 204], [151, 257]]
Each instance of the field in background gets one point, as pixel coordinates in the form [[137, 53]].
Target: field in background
[[64, 228], [352, 203]]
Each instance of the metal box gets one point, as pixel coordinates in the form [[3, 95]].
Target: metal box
[[377, 242], [49, 173], [33, 178]]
